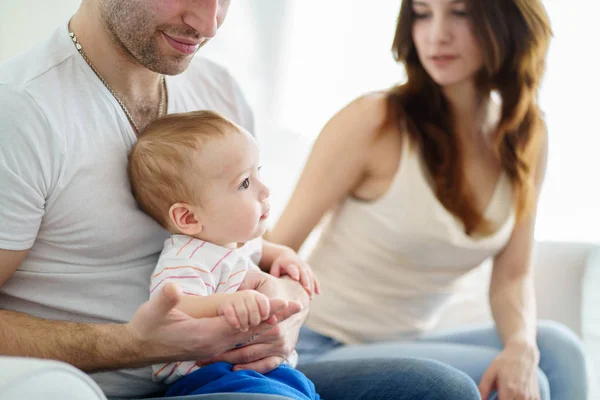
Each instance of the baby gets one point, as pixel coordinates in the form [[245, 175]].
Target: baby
[[196, 174]]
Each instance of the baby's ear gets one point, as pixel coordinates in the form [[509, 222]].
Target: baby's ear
[[184, 218]]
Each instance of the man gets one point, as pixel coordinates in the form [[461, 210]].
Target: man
[[75, 251]]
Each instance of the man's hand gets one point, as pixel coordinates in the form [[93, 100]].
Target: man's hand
[[246, 309], [289, 263], [160, 333], [274, 346]]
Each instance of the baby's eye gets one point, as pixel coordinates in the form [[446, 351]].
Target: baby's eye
[[245, 184]]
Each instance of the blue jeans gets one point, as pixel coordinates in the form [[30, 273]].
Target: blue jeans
[[376, 379], [220, 378], [562, 369]]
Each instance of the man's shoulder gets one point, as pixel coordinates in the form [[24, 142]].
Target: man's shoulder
[[27, 68]]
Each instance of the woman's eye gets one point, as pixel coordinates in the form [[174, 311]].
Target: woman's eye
[[417, 15]]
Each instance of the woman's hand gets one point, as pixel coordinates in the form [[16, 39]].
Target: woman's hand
[[513, 373]]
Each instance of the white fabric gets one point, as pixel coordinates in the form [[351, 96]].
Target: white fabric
[[65, 195], [199, 268], [392, 268], [591, 319], [30, 378]]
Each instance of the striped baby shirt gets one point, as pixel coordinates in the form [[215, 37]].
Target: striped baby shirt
[[199, 268]]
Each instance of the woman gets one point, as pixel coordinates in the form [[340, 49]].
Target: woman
[[429, 180]]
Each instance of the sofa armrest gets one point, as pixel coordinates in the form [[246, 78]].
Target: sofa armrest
[[559, 278], [30, 378], [591, 319]]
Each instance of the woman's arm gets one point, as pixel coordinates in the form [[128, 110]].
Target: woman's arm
[[335, 167], [512, 298], [512, 295]]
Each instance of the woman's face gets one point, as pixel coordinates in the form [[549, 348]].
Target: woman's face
[[444, 39]]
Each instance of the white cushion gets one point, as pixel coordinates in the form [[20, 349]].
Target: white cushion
[[591, 318], [29, 378]]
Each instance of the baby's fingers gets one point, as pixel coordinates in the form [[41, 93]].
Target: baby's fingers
[[276, 269], [317, 285], [306, 280], [231, 316], [254, 314], [292, 270], [242, 315], [264, 307]]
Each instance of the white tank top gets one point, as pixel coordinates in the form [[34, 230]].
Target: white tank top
[[392, 268]]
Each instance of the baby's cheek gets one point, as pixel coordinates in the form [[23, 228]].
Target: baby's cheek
[[246, 223]]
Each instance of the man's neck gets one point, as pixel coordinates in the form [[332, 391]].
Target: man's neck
[[133, 83]]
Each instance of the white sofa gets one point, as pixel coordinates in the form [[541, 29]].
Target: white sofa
[[568, 291], [33, 379]]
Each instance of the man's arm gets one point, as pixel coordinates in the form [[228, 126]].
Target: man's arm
[[88, 347], [9, 262], [157, 333]]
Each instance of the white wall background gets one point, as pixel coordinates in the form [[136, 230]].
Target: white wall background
[[299, 61]]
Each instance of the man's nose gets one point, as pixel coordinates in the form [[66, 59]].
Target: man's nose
[[202, 15]]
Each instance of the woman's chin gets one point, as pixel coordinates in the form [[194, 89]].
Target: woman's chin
[[447, 80]]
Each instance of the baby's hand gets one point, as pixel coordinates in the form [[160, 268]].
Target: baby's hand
[[246, 309], [288, 263]]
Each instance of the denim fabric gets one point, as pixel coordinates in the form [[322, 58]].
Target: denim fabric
[[562, 369]]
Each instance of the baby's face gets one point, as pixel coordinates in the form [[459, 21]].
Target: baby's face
[[234, 206]]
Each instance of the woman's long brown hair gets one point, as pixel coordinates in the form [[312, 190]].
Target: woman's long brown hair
[[514, 37]]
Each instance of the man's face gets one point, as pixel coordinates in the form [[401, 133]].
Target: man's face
[[162, 35]]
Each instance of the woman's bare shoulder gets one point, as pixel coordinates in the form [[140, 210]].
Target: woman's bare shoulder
[[366, 114]]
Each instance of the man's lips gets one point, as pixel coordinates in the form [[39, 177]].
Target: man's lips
[[185, 46]]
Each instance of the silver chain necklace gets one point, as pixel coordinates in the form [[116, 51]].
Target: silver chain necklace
[[163, 96]]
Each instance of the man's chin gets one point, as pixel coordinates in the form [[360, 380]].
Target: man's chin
[[173, 66]]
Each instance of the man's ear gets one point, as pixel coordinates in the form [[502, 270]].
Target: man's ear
[[185, 219]]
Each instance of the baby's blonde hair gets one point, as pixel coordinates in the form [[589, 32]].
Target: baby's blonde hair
[[163, 166]]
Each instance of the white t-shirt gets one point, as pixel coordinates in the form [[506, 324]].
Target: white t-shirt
[[65, 195], [200, 268]]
